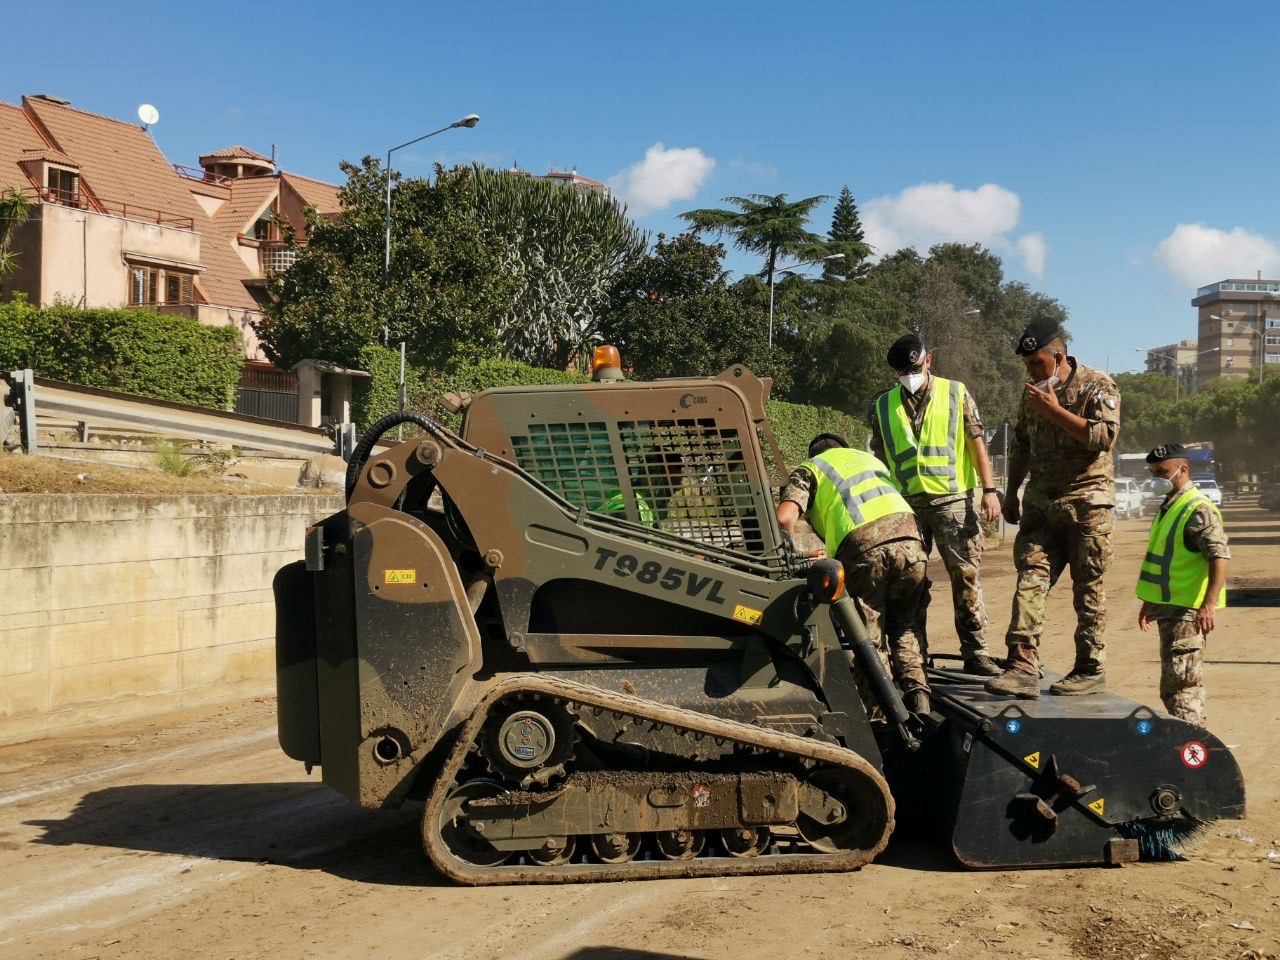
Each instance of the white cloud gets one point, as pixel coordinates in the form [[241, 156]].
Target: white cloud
[[661, 178], [1197, 254], [930, 213], [1032, 248]]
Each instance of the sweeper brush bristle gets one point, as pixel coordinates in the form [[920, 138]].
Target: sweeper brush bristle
[[1165, 838]]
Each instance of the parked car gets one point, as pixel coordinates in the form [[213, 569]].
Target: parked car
[[1150, 499], [1128, 498], [1211, 490]]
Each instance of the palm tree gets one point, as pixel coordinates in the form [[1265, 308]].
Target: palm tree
[[14, 209], [766, 225]]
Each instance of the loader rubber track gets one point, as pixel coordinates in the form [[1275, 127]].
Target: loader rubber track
[[879, 812]]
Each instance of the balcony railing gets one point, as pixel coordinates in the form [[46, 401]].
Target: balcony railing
[[276, 257], [202, 175], [115, 208]]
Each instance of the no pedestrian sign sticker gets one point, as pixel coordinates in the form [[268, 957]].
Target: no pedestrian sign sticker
[[1194, 754]]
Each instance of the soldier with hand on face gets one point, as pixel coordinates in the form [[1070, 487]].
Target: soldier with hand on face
[[1066, 430], [1183, 580], [928, 431], [848, 499]]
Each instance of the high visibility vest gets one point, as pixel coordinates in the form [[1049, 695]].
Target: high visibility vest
[[938, 461], [617, 506], [1171, 573], [853, 489]]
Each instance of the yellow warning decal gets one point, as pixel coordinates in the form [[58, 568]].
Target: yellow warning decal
[[747, 614], [401, 576], [1098, 806], [1033, 759]]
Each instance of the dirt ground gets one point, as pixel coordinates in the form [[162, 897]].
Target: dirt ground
[[195, 836], [23, 474]]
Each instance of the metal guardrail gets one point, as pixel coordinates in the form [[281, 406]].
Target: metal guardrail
[[36, 398]]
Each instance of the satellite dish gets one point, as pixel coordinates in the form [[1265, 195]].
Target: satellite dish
[[148, 114]]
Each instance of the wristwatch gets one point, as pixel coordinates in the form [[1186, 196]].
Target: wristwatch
[[990, 489]]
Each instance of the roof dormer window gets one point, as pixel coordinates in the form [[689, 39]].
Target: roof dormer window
[[63, 186]]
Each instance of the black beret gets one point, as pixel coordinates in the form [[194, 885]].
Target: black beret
[[1036, 335], [906, 352], [1167, 451]]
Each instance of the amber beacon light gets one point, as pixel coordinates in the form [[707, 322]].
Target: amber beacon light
[[606, 364]]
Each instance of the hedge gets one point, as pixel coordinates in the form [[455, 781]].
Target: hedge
[[794, 424], [133, 351]]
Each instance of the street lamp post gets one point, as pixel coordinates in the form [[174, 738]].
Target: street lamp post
[[470, 120], [1177, 377], [778, 270]]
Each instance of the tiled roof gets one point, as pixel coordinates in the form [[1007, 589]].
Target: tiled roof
[[248, 196], [314, 193], [16, 136], [236, 152], [46, 153], [120, 162]]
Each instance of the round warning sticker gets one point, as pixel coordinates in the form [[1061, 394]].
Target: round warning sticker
[[1012, 726], [1194, 754], [1144, 727]]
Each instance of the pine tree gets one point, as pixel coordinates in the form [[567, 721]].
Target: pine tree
[[846, 236]]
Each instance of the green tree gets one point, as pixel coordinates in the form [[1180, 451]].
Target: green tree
[[846, 236], [673, 314], [770, 226], [446, 290], [562, 248], [14, 210]]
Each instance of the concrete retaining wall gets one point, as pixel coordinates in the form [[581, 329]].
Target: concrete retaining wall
[[116, 606]]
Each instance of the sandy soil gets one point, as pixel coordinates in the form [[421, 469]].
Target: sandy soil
[[23, 474], [196, 836]]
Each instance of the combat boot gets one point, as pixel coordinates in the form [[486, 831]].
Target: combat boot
[[1015, 682], [917, 702], [981, 665], [1079, 682]]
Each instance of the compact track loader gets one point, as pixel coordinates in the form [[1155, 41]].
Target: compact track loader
[[575, 631]]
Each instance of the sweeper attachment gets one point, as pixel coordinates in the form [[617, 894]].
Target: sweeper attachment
[[575, 632]]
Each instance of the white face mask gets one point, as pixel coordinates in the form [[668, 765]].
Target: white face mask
[[1161, 485], [1048, 384], [911, 382]]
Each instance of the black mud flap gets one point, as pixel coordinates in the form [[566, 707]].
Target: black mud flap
[[297, 698], [1061, 781]]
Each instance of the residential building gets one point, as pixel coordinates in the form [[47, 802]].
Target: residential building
[[568, 178], [114, 224], [1239, 322], [1175, 360]]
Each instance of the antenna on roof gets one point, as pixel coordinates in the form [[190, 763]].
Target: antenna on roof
[[148, 115], [274, 165]]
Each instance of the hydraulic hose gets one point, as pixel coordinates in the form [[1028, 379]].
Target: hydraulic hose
[[371, 436], [886, 695]]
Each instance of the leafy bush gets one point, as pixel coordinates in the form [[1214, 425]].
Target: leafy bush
[[133, 351], [795, 424]]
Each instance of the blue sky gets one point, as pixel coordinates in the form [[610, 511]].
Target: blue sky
[[1129, 146]]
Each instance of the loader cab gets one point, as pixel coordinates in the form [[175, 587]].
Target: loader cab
[[680, 455]]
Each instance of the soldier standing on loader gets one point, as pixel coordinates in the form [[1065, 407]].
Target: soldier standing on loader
[[1182, 580], [849, 500], [915, 429], [1066, 429]]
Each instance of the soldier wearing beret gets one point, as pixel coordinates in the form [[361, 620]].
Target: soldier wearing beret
[[1182, 581], [1065, 432], [928, 431]]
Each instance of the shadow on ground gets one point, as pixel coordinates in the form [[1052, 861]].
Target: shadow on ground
[[300, 825]]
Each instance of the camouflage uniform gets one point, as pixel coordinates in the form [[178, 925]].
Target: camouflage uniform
[[950, 521], [1181, 644], [1066, 515], [884, 563]]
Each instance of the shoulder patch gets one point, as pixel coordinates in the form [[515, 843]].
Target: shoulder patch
[[1198, 519], [1111, 402]]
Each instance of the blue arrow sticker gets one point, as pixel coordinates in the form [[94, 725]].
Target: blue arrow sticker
[[1012, 726], [1144, 727]]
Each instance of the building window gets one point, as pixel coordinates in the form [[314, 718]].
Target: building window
[[151, 286], [1231, 341], [1273, 341], [1231, 361], [63, 186]]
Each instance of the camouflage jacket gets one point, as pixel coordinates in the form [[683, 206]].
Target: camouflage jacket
[[1061, 468]]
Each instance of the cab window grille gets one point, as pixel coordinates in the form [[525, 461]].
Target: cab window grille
[[573, 459]]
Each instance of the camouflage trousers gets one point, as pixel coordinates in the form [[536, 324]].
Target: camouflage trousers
[[887, 583], [954, 529], [1052, 538], [1182, 669]]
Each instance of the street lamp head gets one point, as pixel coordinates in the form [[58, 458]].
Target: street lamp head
[[470, 120], [1214, 316], [971, 313], [835, 256]]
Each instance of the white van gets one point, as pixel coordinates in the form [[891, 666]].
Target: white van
[[1128, 498]]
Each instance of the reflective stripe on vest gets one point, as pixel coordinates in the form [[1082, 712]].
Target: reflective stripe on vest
[[1170, 572], [939, 462], [852, 489]]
